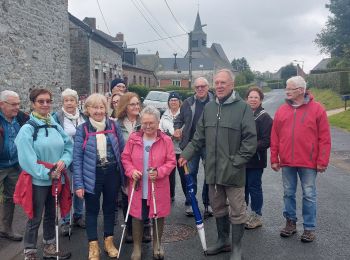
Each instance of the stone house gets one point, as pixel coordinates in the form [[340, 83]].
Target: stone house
[[34, 47], [95, 59]]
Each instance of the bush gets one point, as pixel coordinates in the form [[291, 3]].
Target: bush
[[142, 91], [338, 81]]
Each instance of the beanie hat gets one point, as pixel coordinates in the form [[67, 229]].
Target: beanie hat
[[115, 82], [174, 95]]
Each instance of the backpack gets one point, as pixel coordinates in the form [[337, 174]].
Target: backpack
[[88, 134], [38, 127]]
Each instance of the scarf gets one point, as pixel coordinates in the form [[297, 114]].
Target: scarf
[[70, 116], [100, 138], [46, 119]]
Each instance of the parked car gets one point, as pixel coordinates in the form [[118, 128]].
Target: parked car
[[158, 99]]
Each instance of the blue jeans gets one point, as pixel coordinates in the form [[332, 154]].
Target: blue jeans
[[307, 178], [253, 189], [193, 168]]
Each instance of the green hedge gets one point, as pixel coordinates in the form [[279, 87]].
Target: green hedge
[[275, 84], [338, 81]]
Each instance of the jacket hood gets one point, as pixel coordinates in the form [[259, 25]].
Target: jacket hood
[[233, 98], [307, 98]]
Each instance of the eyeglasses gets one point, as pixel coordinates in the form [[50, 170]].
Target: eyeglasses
[[121, 86], [290, 89], [115, 102], [13, 104], [134, 104], [43, 101], [148, 124], [200, 87], [173, 100]]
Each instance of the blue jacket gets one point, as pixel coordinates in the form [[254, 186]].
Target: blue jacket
[[56, 146], [84, 159], [8, 133]]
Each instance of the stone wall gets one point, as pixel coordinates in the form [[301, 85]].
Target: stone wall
[[34, 46]]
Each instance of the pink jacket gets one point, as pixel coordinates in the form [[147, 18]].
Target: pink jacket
[[162, 157], [300, 136]]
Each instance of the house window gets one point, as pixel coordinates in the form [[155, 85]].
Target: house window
[[176, 82], [149, 82], [134, 80], [96, 81], [144, 81], [140, 80]]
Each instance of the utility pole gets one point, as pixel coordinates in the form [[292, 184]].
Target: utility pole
[[190, 60]]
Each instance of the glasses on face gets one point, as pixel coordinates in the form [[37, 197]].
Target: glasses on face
[[13, 104], [200, 87], [115, 102], [290, 89], [43, 101], [147, 124], [173, 100], [121, 86], [134, 104]]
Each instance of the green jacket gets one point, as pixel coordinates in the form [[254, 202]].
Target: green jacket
[[229, 134]]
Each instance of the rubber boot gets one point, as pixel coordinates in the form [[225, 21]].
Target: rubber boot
[[109, 247], [6, 217], [237, 234], [137, 232], [158, 254], [94, 250], [146, 238], [222, 243]]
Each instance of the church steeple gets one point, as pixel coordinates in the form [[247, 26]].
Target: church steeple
[[199, 37]]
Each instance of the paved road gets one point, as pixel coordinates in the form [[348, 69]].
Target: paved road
[[265, 243]]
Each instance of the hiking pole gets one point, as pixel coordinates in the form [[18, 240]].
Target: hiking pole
[[196, 212], [71, 212], [155, 212], [126, 217], [56, 217]]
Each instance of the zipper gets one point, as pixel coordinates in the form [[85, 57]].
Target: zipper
[[293, 127], [218, 116]]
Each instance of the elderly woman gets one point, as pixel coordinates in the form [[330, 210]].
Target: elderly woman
[[148, 158], [114, 104], [42, 142], [256, 165], [98, 170], [69, 117], [167, 126], [118, 86]]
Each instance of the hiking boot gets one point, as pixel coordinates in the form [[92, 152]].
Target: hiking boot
[[49, 252], [94, 250], [65, 229], [79, 222], [254, 221], [308, 236], [109, 247], [208, 212], [189, 211], [289, 229], [30, 256]]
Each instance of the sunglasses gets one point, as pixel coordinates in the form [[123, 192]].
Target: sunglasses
[[43, 101]]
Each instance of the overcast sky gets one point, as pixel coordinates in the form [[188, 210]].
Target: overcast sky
[[269, 34]]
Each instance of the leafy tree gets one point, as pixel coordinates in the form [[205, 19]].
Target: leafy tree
[[288, 71], [334, 39], [245, 74], [240, 64]]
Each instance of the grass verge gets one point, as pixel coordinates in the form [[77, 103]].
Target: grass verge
[[341, 120], [329, 98]]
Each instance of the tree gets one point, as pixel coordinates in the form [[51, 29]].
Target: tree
[[288, 71], [240, 64], [334, 39], [245, 75]]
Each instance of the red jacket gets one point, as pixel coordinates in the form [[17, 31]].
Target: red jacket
[[300, 136], [162, 157], [24, 192]]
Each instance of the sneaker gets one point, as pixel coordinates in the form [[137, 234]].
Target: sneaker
[[65, 229], [254, 221], [189, 211], [30, 256], [308, 236], [79, 222], [208, 212], [289, 229], [49, 252]]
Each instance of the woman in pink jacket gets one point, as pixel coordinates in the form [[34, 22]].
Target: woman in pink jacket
[[148, 149]]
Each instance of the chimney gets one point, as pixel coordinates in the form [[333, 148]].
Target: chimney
[[119, 37], [91, 21]]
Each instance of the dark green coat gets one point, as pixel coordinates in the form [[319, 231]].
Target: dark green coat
[[229, 134]]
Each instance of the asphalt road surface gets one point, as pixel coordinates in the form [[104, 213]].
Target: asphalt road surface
[[332, 242]]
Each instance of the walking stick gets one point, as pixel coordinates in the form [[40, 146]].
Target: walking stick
[[155, 213], [56, 217], [196, 212], [71, 212], [127, 216]]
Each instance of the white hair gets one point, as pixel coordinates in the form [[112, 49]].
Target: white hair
[[71, 93], [4, 95], [202, 79], [151, 110], [297, 81], [228, 72]]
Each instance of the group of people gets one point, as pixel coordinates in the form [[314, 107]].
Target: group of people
[[114, 148]]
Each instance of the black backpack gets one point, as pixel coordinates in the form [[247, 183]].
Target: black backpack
[[38, 127]]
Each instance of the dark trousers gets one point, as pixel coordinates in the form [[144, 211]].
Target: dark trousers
[[253, 189], [42, 198], [107, 183]]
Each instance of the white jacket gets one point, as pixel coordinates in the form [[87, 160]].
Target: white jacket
[[166, 125]]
